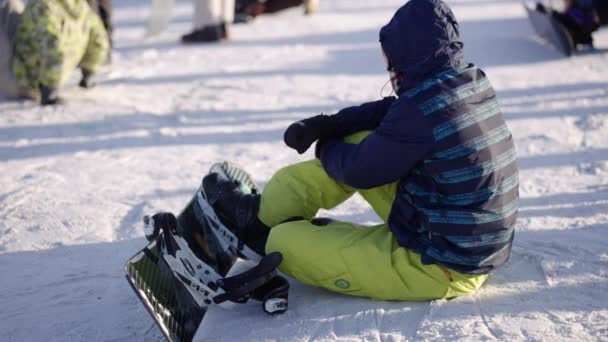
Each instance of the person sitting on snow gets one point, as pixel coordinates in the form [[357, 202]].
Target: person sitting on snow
[[436, 162], [580, 18], [51, 38]]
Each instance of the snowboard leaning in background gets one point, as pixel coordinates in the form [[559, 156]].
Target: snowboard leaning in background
[[551, 30], [177, 282]]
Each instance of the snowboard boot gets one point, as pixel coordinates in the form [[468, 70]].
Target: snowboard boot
[[237, 210], [207, 34]]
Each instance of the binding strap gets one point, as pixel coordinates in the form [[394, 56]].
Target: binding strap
[[260, 283]]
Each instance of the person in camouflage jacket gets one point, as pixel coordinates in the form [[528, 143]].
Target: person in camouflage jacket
[[53, 38]]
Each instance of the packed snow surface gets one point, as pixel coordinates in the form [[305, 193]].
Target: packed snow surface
[[75, 180]]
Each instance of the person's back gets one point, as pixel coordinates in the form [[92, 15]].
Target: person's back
[[463, 195], [55, 37], [457, 205]]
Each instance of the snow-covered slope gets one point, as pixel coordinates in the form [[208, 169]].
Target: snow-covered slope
[[75, 180]]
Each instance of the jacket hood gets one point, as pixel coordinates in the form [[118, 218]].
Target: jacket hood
[[74, 7], [421, 40]]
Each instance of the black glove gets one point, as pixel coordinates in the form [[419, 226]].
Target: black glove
[[49, 97], [87, 81], [301, 134], [319, 147]]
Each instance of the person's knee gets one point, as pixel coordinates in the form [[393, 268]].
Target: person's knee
[[286, 176], [280, 239], [356, 138], [283, 174]]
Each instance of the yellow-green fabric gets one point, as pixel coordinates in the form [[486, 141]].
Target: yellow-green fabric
[[55, 37], [346, 257]]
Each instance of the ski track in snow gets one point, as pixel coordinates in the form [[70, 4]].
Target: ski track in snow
[[75, 180]]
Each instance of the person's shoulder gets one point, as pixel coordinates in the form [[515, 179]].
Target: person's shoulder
[[406, 111]]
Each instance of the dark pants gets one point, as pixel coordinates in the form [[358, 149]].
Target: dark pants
[[273, 6], [601, 6], [10, 14]]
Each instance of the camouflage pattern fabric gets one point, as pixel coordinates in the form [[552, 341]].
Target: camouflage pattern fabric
[[55, 37]]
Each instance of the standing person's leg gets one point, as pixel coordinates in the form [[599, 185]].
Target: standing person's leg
[[273, 6], [10, 13], [105, 12], [228, 11], [208, 22], [227, 17], [205, 13], [103, 8]]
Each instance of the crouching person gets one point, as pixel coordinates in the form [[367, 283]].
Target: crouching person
[[436, 163], [53, 38]]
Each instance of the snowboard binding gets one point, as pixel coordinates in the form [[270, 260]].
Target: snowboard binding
[[185, 268], [206, 286]]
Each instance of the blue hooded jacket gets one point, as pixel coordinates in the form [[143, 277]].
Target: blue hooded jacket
[[443, 139]]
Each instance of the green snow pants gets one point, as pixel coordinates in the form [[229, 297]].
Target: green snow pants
[[345, 257]]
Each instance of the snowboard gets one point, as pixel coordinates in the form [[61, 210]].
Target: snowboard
[[177, 284], [551, 31]]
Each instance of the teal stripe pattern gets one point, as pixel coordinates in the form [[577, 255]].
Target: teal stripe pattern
[[434, 80], [465, 193], [476, 144], [463, 121], [481, 240], [467, 217], [477, 171], [471, 260], [464, 199], [461, 93]]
